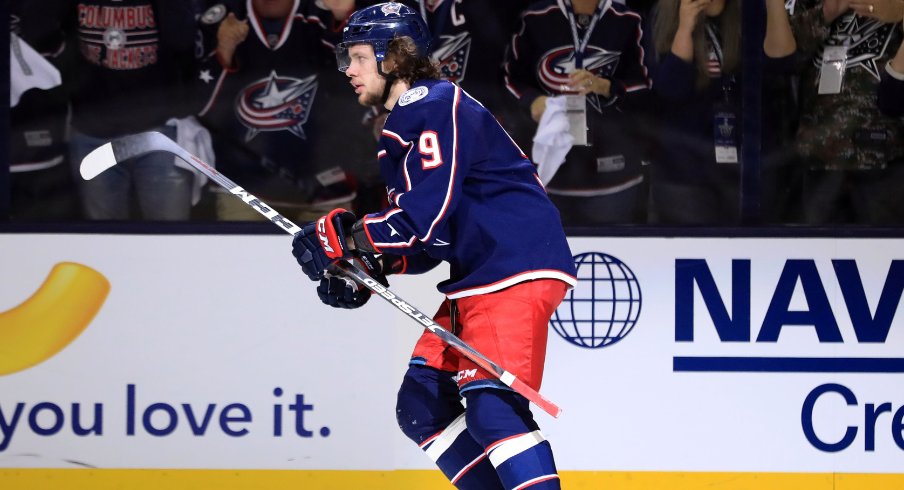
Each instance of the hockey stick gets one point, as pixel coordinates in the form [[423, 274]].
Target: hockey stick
[[136, 145]]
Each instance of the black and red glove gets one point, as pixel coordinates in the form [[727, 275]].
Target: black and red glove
[[343, 292], [321, 243]]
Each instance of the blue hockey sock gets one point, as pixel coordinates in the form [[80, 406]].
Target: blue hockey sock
[[501, 421], [430, 413]]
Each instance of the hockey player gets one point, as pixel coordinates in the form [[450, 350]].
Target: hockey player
[[459, 191]]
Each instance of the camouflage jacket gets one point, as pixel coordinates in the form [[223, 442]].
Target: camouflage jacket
[[846, 131]]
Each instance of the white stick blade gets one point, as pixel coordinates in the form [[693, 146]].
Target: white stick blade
[[97, 161]]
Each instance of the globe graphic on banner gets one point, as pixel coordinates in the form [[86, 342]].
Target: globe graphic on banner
[[603, 307]]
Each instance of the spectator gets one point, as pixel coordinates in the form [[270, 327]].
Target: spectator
[[271, 92], [590, 52], [134, 57], [41, 185], [850, 153], [891, 88], [779, 188], [696, 67], [469, 43]]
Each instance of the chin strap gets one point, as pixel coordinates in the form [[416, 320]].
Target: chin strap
[[390, 81]]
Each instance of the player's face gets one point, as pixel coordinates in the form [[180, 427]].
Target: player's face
[[362, 70]]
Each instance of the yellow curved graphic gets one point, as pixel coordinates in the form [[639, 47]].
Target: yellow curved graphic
[[52, 317]]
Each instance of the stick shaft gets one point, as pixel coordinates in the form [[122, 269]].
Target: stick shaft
[[129, 146], [134, 145]]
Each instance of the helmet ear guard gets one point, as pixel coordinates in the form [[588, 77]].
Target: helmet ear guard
[[377, 26]]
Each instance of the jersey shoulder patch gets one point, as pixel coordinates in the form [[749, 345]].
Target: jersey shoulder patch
[[413, 95]]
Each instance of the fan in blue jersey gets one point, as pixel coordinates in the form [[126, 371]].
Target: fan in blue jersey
[[267, 90], [461, 191], [588, 53]]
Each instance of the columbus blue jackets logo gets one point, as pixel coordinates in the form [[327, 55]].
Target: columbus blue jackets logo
[[866, 39], [452, 56], [555, 65], [214, 14], [391, 8], [276, 104], [114, 38]]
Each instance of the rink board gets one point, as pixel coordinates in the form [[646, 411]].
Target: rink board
[[680, 361], [84, 479]]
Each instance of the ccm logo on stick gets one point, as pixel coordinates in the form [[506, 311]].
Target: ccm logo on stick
[[268, 212]]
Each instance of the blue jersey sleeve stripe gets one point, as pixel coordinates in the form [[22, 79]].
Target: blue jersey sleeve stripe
[[373, 219], [515, 144], [396, 137], [396, 245], [540, 182], [407, 175]]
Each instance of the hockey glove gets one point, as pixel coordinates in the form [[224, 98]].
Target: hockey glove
[[343, 292], [321, 243]]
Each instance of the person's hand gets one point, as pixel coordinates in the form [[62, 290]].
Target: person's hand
[[882, 10], [343, 292], [230, 34], [779, 41], [584, 82], [831, 9], [341, 9], [689, 13], [538, 107], [321, 243]]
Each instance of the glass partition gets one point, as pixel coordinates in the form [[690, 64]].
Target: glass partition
[[643, 114]]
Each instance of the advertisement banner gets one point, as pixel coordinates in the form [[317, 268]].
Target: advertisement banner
[[671, 355]]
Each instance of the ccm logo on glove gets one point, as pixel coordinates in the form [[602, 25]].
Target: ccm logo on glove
[[324, 238], [322, 242], [331, 235]]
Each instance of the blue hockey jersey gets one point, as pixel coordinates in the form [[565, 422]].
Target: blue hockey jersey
[[460, 190]]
